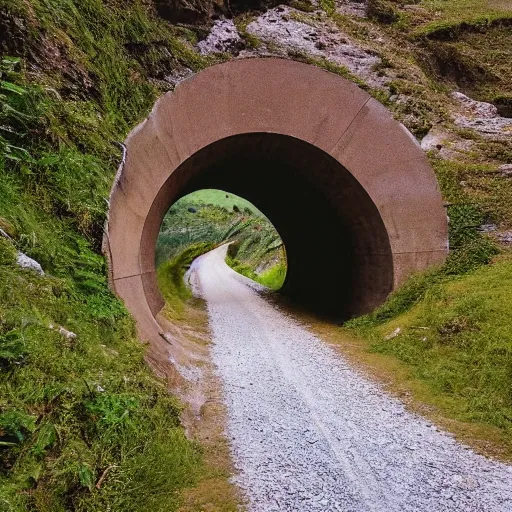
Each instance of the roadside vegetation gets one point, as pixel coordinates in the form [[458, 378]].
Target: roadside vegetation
[[84, 424], [171, 273], [450, 328], [208, 218]]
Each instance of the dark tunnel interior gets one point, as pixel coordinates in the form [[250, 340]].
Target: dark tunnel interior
[[337, 247]]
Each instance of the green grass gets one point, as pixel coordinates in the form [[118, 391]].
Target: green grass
[[223, 200], [71, 409], [484, 188], [273, 277], [457, 338], [450, 16], [170, 277], [80, 75]]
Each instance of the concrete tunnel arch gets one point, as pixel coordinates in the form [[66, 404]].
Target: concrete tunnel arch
[[348, 188]]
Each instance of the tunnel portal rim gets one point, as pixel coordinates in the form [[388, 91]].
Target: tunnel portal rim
[[272, 96]]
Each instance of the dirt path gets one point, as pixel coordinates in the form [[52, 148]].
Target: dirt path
[[310, 433]]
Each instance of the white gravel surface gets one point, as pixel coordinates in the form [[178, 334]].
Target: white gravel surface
[[309, 433]]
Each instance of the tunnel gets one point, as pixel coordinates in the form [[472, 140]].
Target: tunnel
[[347, 187]]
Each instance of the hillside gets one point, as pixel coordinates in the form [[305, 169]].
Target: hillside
[[214, 217], [84, 424]]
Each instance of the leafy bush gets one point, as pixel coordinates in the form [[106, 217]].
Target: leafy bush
[[384, 11]]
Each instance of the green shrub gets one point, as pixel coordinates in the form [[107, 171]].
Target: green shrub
[[384, 11]]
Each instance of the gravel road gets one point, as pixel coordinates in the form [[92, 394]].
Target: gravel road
[[310, 433]]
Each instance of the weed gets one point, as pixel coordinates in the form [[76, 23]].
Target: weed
[[384, 11], [459, 341]]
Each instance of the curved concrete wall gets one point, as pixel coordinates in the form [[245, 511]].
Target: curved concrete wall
[[329, 147]]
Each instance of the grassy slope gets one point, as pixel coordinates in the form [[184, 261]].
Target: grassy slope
[[448, 15], [72, 411], [454, 350], [222, 199], [210, 216], [272, 278]]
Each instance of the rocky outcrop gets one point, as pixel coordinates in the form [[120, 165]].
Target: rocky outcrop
[[202, 11], [223, 38], [285, 31], [189, 11], [482, 117]]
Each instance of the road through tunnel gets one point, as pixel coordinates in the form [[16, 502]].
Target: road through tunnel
[[347, 187], [338, 252]]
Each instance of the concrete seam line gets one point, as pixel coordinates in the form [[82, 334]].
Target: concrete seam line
[[350, 124], [134, 275]]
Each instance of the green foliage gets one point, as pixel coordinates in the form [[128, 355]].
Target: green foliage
[[15, 424], [485, 188], [273, 278], [384, 11], [458, 339], [214, 217], [12, 349], [204, 219], [83, 423], [71, 408], [170, 276], [7, 252], [469, 248], [329, 6]]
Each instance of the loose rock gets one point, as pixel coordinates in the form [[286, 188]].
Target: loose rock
[[223, 38], [482, 117], [28, 263]]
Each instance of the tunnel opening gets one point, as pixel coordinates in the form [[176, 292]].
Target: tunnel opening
[[349, 189], [338, 252], [204, 219]]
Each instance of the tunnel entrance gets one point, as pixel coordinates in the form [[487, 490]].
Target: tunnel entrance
[[348, 188], [207, 218], [338, 251]]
